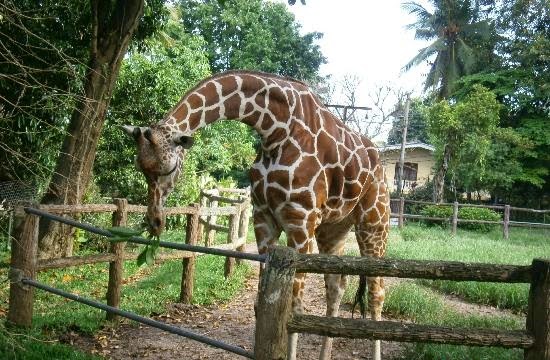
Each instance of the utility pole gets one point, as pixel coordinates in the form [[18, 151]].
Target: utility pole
[[403, 142]]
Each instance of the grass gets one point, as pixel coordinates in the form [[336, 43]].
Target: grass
[[423, 301], [425, 306], [432, 243], [148, 291]]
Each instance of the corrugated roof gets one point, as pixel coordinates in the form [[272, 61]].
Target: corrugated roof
[[413, 145]]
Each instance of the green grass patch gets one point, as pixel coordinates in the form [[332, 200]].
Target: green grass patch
[[424, 306], [422, 243], [421, 305], [16, 344]]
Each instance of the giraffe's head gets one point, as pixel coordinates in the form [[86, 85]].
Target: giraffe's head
[[161, 150]]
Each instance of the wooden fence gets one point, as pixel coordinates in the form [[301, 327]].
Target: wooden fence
[[274, 318], [274, 315], [24, 247], [454, 219]]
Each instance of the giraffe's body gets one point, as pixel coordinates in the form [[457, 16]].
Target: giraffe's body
[[314, 178]]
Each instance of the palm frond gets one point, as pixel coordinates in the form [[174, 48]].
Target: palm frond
[[423, 16], [466, 56], [482, 29], [425, 53], [425, 34]]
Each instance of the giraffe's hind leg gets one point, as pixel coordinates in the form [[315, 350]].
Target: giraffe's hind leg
[[331, 239], [371, 231]]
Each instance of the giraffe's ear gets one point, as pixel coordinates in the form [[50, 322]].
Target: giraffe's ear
[[183, 140], [134, 131]]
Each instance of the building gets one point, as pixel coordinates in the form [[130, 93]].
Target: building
[[418, 167]]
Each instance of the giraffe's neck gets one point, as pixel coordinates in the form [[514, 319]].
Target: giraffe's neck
[[266, 103]]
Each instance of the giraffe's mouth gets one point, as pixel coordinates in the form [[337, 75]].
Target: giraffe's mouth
[[173, 169]]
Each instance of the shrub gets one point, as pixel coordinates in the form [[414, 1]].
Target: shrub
[[440, 211], [474, 213]]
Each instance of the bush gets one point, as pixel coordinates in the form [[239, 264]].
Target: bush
[[474, 213], [440, 211]]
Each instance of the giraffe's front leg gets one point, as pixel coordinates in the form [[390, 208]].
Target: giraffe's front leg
[[331, 240], [299, 237]]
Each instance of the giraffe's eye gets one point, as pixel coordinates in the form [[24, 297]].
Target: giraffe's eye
[[184, 141], [147, 134]]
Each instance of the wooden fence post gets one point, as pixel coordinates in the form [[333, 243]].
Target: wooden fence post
[[243, 226], [274, 305], [538, 312], [454, 222], [23, 265], [116, 267], [211, 237], [506, 223], [203, 204], [188, 272], [401, 211], [232, 236]]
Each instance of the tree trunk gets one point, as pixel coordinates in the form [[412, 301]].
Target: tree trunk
[[112, 30], [439, 179]]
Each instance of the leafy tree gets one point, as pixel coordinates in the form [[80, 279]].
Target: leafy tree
[[40, 82], [254, 35], [462, 130], [460, 41], [520, 81], [416, 131], [58, 90]]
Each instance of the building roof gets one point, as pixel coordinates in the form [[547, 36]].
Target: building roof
[[411, 145]]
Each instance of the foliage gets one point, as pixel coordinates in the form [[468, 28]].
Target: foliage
[[464, 212], [475, 213], [150, 83], [38, 86], [253, 35], [43, 78], [416, 131], [438, 211], [462, 132], [462, 42]]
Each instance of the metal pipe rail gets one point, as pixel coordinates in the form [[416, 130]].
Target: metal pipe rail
[[147, 321], [143, 241]]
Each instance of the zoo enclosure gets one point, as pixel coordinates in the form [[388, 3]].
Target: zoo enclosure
[[398, 211]]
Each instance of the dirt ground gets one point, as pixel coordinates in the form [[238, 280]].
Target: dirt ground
[[232, 323]]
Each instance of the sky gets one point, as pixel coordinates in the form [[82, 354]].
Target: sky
[[364, 38]]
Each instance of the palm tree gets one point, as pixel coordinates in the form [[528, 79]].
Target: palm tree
[[456, 31]]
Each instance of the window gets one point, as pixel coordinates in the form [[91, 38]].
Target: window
[[410, 171]]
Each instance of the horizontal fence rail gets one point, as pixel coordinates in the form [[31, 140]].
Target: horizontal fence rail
[[147, 321], [423, 269], [399, 206], [143, 241], [396, 331]]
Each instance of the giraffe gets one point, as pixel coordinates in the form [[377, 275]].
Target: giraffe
[[313, 177]]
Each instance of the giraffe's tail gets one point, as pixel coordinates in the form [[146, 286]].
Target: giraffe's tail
[[360, 296]]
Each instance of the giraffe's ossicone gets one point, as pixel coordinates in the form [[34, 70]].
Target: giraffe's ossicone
[[313, 178]]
